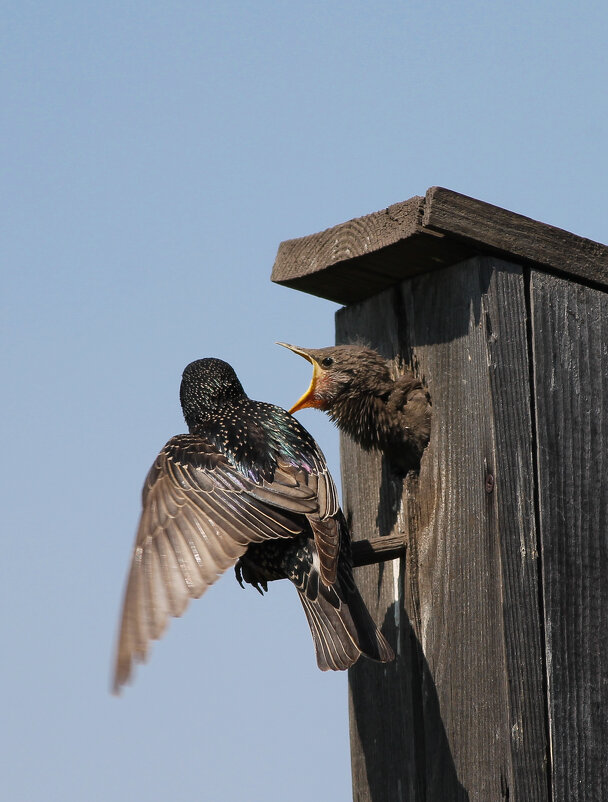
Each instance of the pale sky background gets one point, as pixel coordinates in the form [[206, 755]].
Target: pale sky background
[[155, 154]]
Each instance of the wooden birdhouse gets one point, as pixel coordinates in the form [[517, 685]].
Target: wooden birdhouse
[[497, 602]]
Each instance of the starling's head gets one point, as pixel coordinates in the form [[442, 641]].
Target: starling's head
[[340, 372], [207, 386]]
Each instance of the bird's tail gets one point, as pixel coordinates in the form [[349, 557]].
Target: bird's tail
[[341, 626]]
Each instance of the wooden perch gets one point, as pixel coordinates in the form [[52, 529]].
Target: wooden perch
[[377, 550]]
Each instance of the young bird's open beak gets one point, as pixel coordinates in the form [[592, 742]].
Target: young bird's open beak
[[310, 397]]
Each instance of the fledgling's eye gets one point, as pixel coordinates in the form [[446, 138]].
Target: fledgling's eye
[[327, 362]]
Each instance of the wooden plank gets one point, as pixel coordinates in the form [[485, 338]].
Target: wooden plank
[[460, 715], [505, 322], [360, 258], [524, 239], [357, 237], [358, 278], [570, 337]]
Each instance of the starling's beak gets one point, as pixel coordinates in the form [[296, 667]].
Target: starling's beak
[[308, 399]]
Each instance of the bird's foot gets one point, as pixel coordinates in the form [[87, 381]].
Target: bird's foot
[[246, 571]]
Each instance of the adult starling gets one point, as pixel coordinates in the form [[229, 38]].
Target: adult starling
[[353, 384], [247, 487]]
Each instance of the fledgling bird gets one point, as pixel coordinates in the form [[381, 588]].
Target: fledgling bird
[[353, 384], [247, 487]]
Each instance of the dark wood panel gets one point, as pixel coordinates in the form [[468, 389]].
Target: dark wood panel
[[514, 479], [570, 336], [460, 715]]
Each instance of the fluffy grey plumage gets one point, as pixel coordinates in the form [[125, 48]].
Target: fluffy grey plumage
[[354, 385]]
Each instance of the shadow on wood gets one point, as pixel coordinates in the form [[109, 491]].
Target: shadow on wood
[[391, 491], [414, 762]]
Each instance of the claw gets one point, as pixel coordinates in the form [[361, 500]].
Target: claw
[[238, 574], [245, 571]]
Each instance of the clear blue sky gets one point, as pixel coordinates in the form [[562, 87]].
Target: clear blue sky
[[154, 156]]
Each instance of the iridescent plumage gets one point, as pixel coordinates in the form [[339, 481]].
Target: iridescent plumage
[[246, 487]]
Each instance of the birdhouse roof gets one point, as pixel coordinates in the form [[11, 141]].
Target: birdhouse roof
[[354, 260]]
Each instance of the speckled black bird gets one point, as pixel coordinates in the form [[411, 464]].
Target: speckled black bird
[[247, 487], [354, 385]]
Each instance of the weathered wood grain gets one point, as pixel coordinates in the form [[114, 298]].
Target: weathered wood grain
[[461, 714], [363, 256], [357, 259], [524, 239], [570, 338], [357, 237]]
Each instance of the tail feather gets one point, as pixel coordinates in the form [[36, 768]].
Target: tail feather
[[335, 647], [344, 631]]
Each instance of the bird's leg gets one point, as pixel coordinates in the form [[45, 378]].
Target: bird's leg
[[247, 571]]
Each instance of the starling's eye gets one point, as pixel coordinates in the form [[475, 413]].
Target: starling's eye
[[327, 362]]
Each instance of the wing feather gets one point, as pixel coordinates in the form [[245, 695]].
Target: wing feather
[[212, 561], [199, 515], [156, 599]]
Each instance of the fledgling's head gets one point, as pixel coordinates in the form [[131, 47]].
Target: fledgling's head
[[341, 372]]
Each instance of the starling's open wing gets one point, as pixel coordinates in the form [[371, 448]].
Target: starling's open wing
[[199, 515]]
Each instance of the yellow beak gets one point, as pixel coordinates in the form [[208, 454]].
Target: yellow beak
[[308, 399]]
